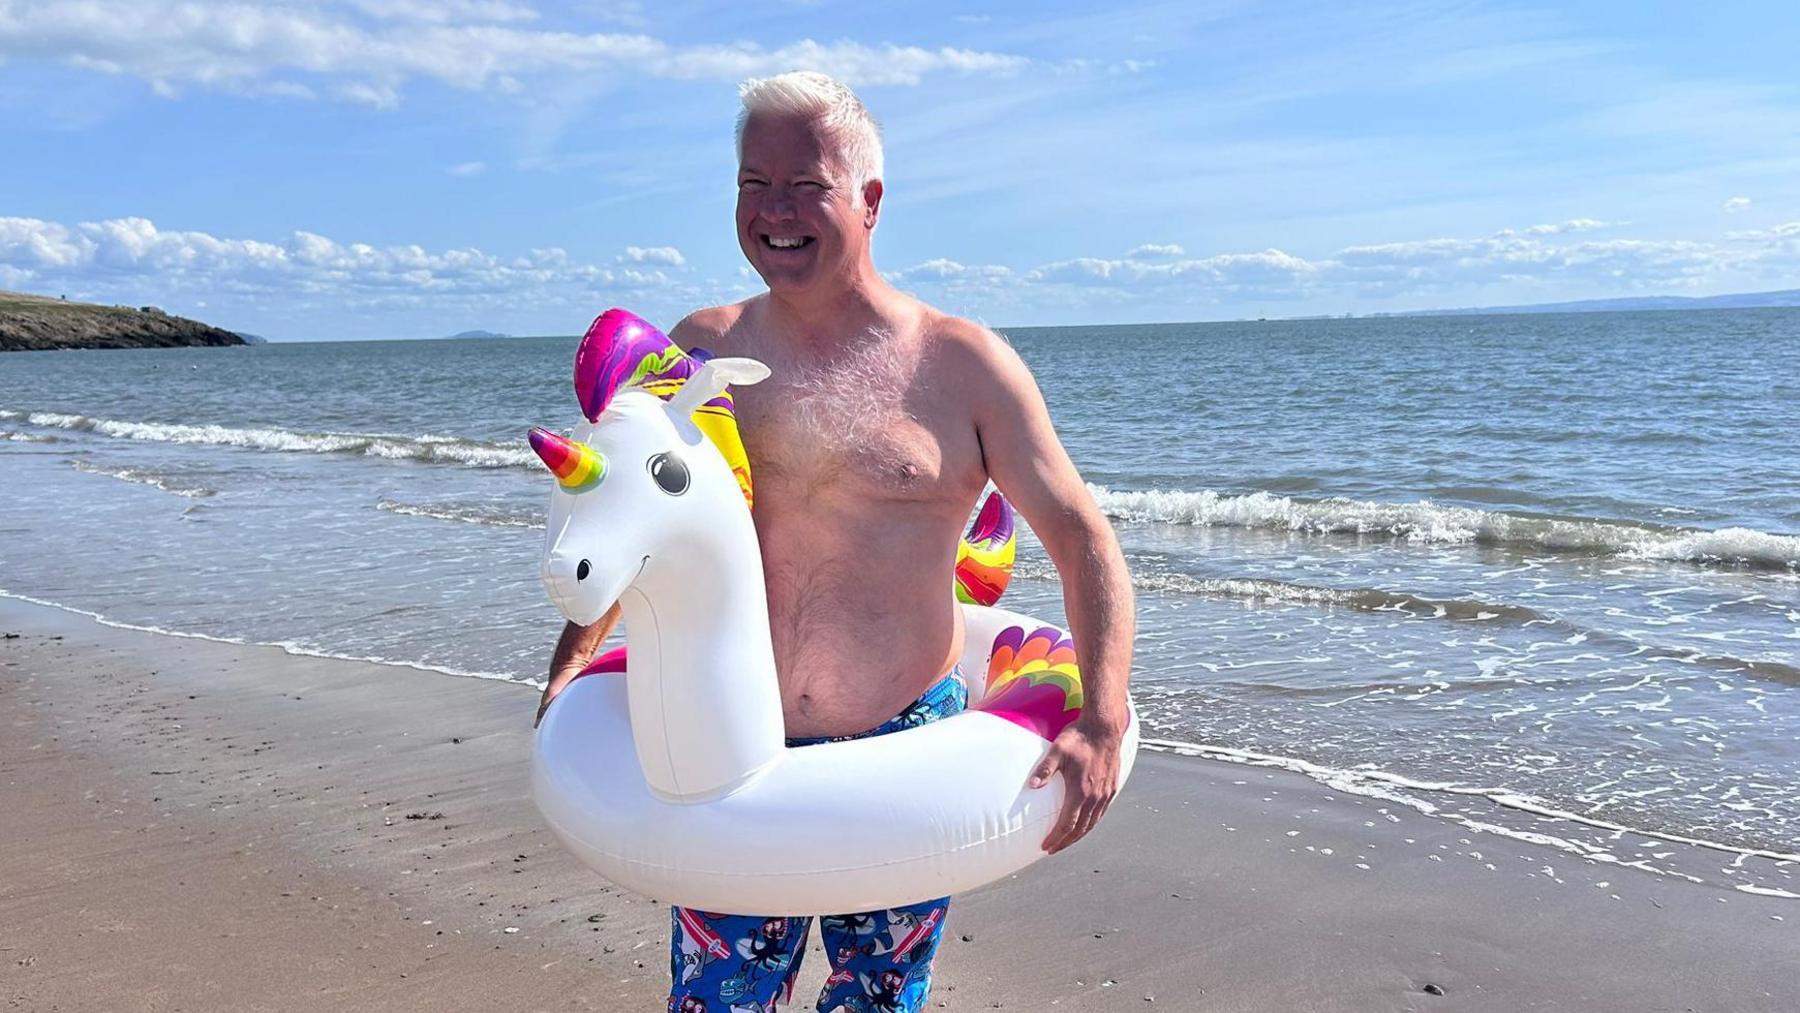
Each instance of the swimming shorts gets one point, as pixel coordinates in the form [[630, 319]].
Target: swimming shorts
[[880, 960]]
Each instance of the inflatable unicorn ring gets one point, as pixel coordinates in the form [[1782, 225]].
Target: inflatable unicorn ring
[[668, 773]]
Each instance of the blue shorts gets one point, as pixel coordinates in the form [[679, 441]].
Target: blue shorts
[[880, 960]]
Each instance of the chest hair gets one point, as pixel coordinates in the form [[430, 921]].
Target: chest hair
[[846, 420]]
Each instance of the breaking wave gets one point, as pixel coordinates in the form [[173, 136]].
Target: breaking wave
[[1433, 523], [167, 483], [466, 513], [427, 448], [1414, 606], [1364, 599], [1422, 521]]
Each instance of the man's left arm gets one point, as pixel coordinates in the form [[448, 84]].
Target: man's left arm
[[1026, 460]]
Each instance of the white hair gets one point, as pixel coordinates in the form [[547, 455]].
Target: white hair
[[831, 103]]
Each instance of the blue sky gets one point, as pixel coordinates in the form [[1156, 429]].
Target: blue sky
[[409, 168]]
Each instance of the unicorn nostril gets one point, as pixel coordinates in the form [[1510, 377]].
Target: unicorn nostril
[[581, 570]]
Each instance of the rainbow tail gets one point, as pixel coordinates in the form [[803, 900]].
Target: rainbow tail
[[984, 560]]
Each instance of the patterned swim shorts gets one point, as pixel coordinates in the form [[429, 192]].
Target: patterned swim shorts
[[880, 960]]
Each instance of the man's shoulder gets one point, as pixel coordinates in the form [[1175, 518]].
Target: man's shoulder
[[707, 326], [969, 344], [960, 333]]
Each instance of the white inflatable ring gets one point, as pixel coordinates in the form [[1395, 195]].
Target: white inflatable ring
[[669, 774]]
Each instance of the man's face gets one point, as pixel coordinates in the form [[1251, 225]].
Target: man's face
[[799, 220]]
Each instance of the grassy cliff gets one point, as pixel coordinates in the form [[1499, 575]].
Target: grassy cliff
[[32, 322]]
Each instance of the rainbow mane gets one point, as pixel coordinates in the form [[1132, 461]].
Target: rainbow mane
[[984, 559], [622, 350]]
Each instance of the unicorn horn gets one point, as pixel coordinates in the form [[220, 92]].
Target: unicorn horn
[[577, 466]]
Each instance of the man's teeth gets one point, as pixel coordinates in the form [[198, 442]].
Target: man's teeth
[[787, 244]]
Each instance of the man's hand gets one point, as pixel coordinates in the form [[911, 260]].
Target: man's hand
[[557, 683], [1087, 756]]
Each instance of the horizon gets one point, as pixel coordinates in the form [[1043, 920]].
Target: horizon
[[405, 169], [1003, 328], [1591, 307]]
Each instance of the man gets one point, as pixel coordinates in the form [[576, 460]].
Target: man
[[882, 423]]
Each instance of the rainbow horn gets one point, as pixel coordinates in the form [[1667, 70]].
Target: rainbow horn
[[577, 466]]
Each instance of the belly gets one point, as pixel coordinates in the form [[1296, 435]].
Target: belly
[[863, 624]]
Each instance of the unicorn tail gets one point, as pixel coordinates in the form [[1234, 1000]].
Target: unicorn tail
[[984, 560]]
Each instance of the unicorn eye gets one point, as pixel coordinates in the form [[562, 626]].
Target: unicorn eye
[[669, 473]]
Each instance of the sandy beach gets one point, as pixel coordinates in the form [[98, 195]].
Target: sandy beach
[[195, 825]]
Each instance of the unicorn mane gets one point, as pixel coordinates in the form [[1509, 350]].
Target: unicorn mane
[[622, 350]]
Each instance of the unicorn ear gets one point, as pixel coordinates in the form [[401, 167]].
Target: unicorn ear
[[740, 372], [710, 380]]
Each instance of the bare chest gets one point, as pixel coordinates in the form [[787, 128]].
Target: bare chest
[[812, 441]]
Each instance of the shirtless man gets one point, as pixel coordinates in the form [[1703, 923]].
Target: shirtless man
[[881, 424]]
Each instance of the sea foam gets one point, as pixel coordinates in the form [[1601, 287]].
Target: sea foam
[[1434, 523], [466, 513], [142, 476], [1422, 521], [392, 446]]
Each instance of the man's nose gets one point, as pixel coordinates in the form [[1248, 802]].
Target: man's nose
[[779, 208]]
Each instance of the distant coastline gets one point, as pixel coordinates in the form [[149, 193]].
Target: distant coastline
[[40, 323], [1629, 304], [34, 322]]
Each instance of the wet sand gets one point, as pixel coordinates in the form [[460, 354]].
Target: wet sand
[[190, 825]]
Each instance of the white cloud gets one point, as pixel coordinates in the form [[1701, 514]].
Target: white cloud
[[1155, 251], [1788, 231], [1271, 270], [466, 169], [1735, 204], [1084, 66], [368, 50], [655, 255], [949, 272], [1572, 225], [445, 11], [308, 276], [1538, 255], [133, 255], [367, 93]]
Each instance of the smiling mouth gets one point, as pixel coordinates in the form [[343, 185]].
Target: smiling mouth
[[786, 242]]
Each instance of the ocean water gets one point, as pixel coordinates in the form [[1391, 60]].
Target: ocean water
[[1548, 562]]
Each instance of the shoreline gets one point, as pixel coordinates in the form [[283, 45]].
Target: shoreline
[[215, 825], [1365, 781]]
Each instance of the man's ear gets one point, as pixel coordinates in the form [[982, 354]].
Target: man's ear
[[871, 202]]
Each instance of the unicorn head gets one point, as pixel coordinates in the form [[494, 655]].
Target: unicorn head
[[653, 476]]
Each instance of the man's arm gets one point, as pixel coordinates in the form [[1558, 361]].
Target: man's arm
[[1027, 462], [574, 650]]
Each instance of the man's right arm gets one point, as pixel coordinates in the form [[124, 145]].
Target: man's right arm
[[574, 650]]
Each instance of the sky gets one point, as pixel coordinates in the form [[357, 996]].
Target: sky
[[340, 169]]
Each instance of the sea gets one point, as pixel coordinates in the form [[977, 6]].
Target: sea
[[1465, 565]]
